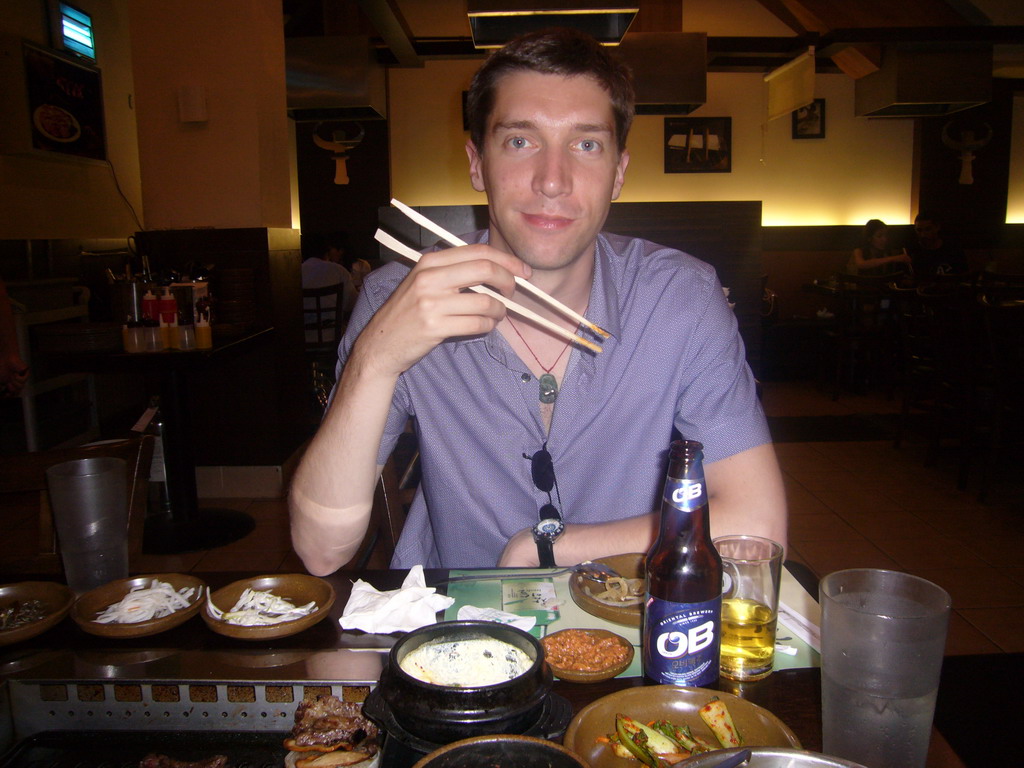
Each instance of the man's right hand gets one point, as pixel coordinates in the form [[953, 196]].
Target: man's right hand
[[431, 305], [332, 491]]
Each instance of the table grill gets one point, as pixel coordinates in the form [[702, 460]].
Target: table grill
[[66, 711]]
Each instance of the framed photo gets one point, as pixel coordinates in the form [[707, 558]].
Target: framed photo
[[809, 121], [698, 144], [65, 104]]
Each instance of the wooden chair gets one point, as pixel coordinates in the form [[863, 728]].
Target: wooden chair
[[1001, 374], [324, 325], [395, 491], [32, 546], [387, 518], [939, 356], [864, 338]]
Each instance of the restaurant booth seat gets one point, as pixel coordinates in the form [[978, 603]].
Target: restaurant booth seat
[[31, 545]]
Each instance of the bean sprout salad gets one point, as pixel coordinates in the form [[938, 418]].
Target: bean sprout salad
[[255, 609]]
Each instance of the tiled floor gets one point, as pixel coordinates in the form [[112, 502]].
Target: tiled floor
[[851, 504]]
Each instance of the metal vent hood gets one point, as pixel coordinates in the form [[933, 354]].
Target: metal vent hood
[[921, 80], [495, 22], [670, 70], [334, 78]]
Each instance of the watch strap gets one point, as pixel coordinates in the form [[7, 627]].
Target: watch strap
[[545, 552]]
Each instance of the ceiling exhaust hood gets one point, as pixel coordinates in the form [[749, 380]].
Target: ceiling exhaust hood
[[334, 78], [670, 70], [495, 22], [926, 80]]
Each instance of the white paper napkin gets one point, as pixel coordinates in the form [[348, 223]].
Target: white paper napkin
[[799, 611], [473, 613], [412, 606]]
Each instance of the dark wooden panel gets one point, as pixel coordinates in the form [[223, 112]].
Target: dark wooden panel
[[251, 410], [974, 214], [727, 235], [458, 219]]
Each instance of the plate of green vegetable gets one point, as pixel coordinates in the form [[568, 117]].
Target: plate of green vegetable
[[621, 730]]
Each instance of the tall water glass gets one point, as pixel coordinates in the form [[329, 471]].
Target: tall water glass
[[89, 499], [883, 634]]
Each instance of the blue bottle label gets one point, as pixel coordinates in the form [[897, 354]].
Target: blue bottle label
[[682, 641], [686, 494]]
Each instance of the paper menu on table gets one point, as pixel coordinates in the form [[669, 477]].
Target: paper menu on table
[[531, 597], [799, 612]]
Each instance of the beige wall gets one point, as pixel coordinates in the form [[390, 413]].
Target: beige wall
[[861, 170], [232, 170], [1015, 199], [47, 196]]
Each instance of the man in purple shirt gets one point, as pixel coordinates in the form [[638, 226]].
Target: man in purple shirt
[[514, 424]]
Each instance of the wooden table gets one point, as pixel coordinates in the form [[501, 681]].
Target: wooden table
[[188, 528], [793, 695]]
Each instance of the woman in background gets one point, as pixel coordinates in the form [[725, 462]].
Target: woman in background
[[872, 257]]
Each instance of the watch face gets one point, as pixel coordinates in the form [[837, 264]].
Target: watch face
[[549, 528]]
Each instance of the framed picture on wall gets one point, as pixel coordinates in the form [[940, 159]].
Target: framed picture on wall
[[65, 104], [809, 121], [698, 144]]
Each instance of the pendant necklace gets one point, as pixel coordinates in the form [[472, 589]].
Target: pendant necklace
[[548, 384]]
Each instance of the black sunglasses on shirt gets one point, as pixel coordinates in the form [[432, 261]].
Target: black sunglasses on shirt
[[550, 526]]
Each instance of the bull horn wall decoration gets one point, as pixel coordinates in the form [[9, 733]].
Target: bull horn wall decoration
[[339, 145], [968, 144]]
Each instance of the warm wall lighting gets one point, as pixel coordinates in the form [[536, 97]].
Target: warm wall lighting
[[803, 218]]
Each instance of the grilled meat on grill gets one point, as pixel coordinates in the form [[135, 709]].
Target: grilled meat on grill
[[163, 761], [326, 723]]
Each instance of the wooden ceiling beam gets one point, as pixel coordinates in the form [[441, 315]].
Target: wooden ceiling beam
[[797, 16]]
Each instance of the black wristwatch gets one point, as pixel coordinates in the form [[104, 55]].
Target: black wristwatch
[[545, 533]]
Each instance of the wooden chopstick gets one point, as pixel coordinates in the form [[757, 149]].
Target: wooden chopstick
[[526, 285], [412, 254]]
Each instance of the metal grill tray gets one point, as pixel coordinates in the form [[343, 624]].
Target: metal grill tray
[[125, 749]]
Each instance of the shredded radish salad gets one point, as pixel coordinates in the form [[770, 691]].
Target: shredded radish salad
[[255, 609], [157, 600]]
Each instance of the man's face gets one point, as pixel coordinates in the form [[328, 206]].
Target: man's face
[[550, 167], [927, 231]]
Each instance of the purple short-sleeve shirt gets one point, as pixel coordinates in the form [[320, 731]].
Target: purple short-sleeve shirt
[[675, 359]]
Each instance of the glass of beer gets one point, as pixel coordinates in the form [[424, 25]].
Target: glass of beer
[[751, 575]]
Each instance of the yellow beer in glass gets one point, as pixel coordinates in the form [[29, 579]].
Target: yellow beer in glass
[[752, 574]]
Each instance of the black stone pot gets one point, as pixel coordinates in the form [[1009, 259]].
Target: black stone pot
[[441, 714]]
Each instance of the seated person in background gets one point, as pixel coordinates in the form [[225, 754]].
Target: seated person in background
[[549, 116], [872, 256], [321, 267], [933, 254], [360, 269]]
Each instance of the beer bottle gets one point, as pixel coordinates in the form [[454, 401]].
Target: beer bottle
[[683, 600]]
